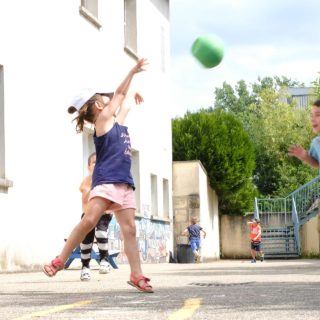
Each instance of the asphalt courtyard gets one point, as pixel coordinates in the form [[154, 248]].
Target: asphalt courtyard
[[274, 289]]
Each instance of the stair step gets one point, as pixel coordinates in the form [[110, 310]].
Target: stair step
[[281, 256], [277, 241], [280, 251], [277, 249]]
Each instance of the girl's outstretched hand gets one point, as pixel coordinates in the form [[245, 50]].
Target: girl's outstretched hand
[[140, 66], [138, 98]]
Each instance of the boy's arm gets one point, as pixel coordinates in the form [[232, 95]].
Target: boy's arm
[[302, 154], [204, 234], [185, 232], [85, 188], [85, 195], [258, 235]]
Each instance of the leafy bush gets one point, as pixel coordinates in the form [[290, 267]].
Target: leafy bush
[[219, 141]]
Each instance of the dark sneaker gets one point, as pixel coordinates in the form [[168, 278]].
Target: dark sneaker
[[253, 261]]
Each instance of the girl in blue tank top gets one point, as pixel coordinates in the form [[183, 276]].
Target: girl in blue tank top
[[112, 183]]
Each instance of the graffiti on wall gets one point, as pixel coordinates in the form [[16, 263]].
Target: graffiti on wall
[[152, 236]]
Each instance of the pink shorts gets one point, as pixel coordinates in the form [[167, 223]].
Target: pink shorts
[[121, 195]]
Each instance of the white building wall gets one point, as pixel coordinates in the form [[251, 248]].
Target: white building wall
[[48, 52], [193, 196], [209, 217]]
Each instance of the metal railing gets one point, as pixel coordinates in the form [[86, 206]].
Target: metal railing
[[293, 210]]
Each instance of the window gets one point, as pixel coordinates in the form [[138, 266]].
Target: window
[[135, 170], [165, 187], [154, 195], [130, 26], [162, 49], [4, 183], [89, 9], [91, 6]]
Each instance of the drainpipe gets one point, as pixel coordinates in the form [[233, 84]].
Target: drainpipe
[[256, 210], [296, 224]]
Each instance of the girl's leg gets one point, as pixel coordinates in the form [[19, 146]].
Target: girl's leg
[[126, 220], [95, 209]]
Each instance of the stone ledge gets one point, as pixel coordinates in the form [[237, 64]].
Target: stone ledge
[[5, 184], [161, 219]]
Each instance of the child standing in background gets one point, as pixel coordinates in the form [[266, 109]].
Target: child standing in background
[[255, 238], [194, 232], [100, 232]]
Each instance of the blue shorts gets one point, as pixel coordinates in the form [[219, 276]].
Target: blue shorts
[[195, 244], [255, 245]]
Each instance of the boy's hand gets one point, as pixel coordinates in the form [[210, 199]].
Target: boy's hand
[[298, 152]]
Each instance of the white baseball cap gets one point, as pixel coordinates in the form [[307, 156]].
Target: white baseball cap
[[83, 96]]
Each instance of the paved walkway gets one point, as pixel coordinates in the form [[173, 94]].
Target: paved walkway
[[225, 290]]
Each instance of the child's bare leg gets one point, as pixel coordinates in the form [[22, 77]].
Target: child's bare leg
[[126, 220], [95, 209]]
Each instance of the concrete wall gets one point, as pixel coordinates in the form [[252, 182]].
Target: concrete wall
[[235, 236], [49, 50], [192, 196], [310, 237]]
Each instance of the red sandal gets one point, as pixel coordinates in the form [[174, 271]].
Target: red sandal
[[53, 267], [141, 283]]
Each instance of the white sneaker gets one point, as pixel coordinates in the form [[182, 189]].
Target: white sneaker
[[85, 274], [104, 266]]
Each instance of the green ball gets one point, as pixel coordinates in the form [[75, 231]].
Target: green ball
[[208, 50]]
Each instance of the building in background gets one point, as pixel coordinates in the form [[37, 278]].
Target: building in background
[[302, 96], [50, 50]]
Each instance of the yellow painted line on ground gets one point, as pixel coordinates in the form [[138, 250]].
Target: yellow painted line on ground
[[186, 312], [54, 310]]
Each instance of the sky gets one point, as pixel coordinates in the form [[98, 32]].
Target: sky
[[261, 38]]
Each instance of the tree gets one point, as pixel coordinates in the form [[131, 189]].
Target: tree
[[219, 141], [273, 125]]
